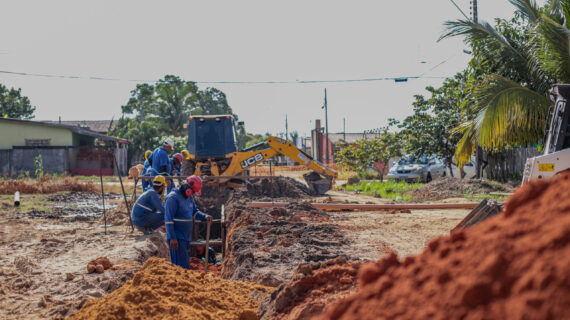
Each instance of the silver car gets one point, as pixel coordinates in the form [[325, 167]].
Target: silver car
[[413, 169]]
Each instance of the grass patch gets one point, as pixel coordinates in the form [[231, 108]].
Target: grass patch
[[97, 179], [386, 189]]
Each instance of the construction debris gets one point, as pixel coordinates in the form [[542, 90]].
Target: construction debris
[[160, 290], [449, 187], [512, 266]]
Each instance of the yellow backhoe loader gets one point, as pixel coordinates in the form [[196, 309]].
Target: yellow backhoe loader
[[212, 151]]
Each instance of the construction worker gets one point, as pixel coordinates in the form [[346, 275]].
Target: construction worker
[[148, 211], [160, 159], [147, 164], [175, 165], [180, 209], [201, 254]]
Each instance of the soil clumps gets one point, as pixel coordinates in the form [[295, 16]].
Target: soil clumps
[[277, 187], [312, 287], [449, 187], [264, 243], [99, 265], [197, 264], [512, 266], [160, 290]]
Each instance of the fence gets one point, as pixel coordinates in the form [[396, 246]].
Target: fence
[[507, 165]]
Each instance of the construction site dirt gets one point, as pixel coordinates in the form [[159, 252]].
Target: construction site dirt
[[45, 249]]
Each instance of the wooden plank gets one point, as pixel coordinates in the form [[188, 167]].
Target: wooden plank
[[372, 207], [213, 243]]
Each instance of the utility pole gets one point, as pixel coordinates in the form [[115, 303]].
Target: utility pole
[[326, 128], [286, 129], [474, 11], [344, 129]]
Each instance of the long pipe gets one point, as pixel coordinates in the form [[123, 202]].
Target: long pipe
[[371, 207]]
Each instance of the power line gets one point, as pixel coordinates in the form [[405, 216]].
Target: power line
[[43, 75], [463, 13]]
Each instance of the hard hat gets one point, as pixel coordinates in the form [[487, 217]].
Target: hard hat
[[195, 184], [168, 142], [158, 181], [186, 154], [147, 154], [179, 157]]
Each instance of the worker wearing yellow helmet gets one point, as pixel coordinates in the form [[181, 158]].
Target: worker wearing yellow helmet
[[148, 211], [147, 166]]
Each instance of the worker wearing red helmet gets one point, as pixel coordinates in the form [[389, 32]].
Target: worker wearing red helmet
[[180, 209]]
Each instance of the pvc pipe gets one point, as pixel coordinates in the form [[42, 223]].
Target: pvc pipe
[[17, 199]]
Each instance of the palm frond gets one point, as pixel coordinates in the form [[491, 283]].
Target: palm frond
[[466, 145], [527, 8], [510, 113], [553, 51]]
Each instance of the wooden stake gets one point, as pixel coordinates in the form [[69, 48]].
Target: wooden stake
[[207, 247]]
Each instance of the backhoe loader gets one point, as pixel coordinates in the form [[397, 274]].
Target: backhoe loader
[[556, 157], [212, 151]]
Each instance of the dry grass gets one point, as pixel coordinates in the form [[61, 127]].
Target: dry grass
[[47, 184]]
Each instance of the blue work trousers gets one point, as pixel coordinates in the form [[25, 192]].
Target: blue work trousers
[[180, 256]]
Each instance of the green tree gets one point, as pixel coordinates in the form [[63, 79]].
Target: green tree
[[175, 100], [364, 153], [14, 105], [514, 65], [430, 130]]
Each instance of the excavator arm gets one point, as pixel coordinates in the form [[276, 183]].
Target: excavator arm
[[249, 158]]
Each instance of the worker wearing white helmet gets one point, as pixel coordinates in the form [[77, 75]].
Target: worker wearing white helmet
[[160, 159]]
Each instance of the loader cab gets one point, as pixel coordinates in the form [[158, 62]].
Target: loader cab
[[211, 137], [558, 136]]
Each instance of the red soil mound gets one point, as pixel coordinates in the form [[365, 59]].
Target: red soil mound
[[313, 287], [198, 265], [512, 266]]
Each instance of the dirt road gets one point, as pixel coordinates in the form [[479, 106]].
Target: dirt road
[[44, 256]]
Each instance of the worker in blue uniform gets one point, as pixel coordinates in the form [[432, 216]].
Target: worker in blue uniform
[[160, 159], [148, 211], [180, 209], [175, 168], [147, 164]]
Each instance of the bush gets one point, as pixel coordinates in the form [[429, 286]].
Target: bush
[[386, 189]]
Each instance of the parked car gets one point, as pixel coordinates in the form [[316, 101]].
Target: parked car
[[414, 169]]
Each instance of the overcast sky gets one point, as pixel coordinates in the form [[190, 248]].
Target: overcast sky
[[235, 41]]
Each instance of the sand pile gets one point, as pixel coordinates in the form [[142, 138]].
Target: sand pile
[[264, 244], [449, 187], [160, 290], [512, 266], [313, 286]]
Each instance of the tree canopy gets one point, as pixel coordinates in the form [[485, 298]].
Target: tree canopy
[[14, 105], [162, 109]]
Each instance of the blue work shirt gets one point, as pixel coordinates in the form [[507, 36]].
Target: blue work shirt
[[173, 167], [178, 217], [160, 159], [145, 207]]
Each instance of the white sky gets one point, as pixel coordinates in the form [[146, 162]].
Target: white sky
[[235, 41]]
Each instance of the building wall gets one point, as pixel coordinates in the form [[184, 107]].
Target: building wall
[[15, 134]]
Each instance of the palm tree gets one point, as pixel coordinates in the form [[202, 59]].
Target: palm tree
[[510, 104]]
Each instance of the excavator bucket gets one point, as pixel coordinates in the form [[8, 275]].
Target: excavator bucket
[[486, 209], [317, 184]]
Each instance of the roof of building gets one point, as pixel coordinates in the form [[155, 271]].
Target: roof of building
[[75, 129], [101, 126]]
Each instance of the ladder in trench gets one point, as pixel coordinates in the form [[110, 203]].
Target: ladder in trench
[[212, 242]]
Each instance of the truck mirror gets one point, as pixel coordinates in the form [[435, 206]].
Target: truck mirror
[[241, 123]]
